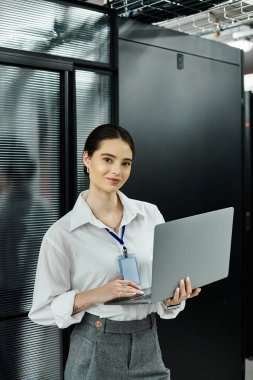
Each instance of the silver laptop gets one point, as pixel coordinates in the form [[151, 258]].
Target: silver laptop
[[197, 246]]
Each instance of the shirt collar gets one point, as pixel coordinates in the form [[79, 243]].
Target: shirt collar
[[82, 214]]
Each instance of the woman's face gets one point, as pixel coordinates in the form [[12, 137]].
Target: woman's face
[[110, 165]]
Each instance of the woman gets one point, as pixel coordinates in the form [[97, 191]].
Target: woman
[[78, 271]]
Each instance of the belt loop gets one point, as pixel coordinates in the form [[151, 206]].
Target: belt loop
[[102, 330], [153, 320], [104, 324]]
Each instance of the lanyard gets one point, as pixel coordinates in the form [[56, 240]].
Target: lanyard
[[120, 240]]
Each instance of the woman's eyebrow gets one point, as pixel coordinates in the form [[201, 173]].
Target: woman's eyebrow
[[108, 154], [111, 155]]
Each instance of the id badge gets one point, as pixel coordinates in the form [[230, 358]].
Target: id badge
[[129, 268]]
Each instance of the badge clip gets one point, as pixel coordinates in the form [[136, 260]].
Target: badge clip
[[125, 252]]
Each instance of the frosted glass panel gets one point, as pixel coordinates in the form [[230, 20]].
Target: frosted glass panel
[[29, 351], [54, 28], [29, 177], [93, 107]]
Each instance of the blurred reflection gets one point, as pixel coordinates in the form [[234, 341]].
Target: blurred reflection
[[54, 28], [93, 107], [19, 242], [29, 204], [17, 171]]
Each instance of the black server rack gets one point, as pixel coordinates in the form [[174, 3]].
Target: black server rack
[[181, 98], [248, 253]]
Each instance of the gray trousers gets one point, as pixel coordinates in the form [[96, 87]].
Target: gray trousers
[[101, 349]]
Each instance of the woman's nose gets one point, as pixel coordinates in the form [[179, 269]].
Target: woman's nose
[[116, 169]]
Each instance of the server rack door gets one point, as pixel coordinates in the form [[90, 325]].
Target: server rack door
[[186, 122], [248, 262]]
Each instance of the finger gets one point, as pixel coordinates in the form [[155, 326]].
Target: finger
[[129, 283], [195, 292], [121, 293], [182, 289], [176, 296], [126, 288], [129, 292], [188, 286]]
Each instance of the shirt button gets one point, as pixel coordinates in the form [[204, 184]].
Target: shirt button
[[98, 324]]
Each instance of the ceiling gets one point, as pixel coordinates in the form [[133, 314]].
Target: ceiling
[[228, 22], [159, 10]]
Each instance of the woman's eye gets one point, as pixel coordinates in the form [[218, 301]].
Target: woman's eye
[[107, 159], [127, 163]]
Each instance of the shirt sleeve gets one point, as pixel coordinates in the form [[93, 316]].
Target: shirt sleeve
[[170, 313], [53, 298], [159, 217]]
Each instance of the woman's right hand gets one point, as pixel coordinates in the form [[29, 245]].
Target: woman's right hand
[[113, 289], [116, 289]]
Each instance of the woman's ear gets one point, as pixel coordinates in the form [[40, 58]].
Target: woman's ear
[[86, 159]]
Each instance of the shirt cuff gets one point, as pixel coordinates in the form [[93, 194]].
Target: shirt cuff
[[62, 309], [170, 313]]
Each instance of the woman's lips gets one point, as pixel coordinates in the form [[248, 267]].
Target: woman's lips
[[115, 181]]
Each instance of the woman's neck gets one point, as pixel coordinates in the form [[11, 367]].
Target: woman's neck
[[101, 202], [106, 207]]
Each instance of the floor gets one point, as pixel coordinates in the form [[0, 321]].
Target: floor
[[249, 370]]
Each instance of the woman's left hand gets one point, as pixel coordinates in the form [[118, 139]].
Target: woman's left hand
[[182, 293]]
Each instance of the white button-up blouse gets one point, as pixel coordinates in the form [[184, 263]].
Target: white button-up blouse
[[77, 254]]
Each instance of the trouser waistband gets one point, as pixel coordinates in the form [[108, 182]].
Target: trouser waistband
[[107, 325]]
